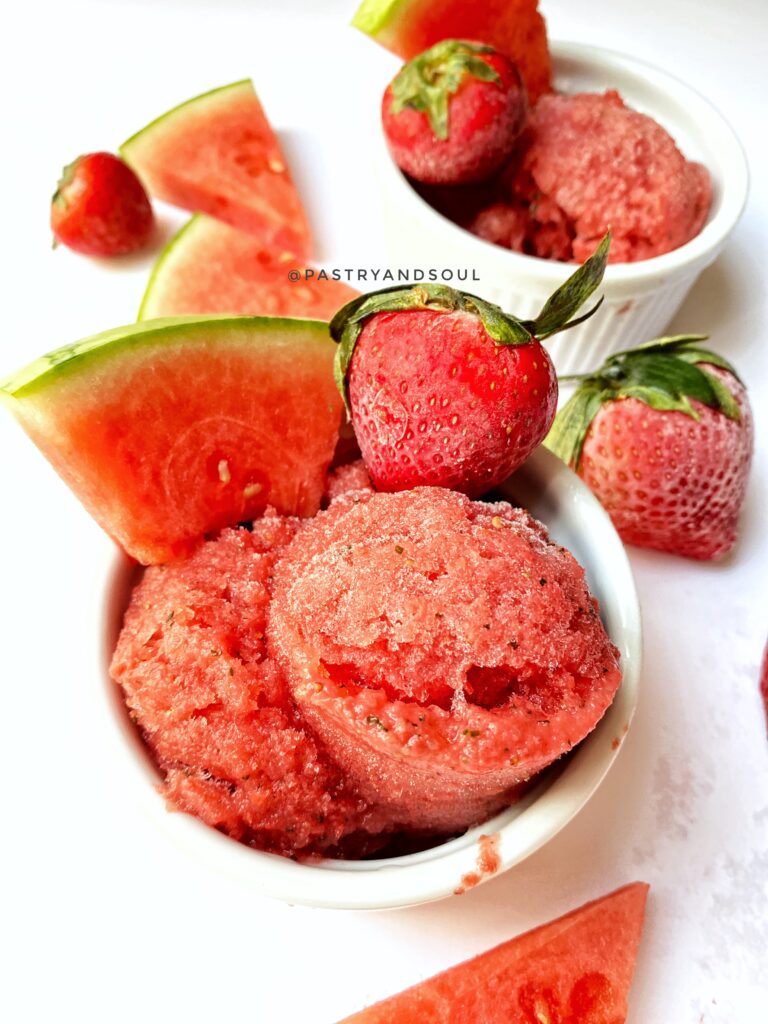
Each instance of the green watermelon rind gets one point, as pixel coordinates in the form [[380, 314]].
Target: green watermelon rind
[[162, 261], [50, 369], [374, 15], [127, 146]]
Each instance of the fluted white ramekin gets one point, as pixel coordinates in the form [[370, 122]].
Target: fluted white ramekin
[[640, 298]]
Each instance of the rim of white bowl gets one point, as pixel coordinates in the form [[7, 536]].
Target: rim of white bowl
[[732, 165], [545, 483]]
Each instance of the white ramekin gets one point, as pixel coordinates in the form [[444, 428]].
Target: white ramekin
[[558, 498], [640, 298]]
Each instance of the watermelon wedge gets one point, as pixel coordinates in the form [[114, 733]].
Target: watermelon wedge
[[576, 970], [514, 27], [217, 153], [173, 428], [211, 267]]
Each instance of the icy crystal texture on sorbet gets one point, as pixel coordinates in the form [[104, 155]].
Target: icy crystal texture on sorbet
[[590, 163], [213, 707], [444, 650]]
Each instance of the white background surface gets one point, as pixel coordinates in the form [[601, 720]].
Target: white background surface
[[102, 919]]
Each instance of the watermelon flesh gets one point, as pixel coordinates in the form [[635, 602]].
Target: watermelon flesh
[[171, 429], [514, 27], [217, 153], [211, 267], [576, 970]]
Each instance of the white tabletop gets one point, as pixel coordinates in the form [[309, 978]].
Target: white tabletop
[[103, 918]]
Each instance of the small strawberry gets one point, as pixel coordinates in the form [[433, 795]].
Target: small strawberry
[[452, 115], [100, 207], [663, 436], [446, 389]]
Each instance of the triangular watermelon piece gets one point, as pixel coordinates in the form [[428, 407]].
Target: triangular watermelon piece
[[211, 267], [514, 27], [217, 154], [576, 970], [173, 428]]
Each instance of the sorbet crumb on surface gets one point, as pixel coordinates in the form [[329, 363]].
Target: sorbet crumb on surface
[[214, 709], [347, 480], [452, 651], [588, 163]]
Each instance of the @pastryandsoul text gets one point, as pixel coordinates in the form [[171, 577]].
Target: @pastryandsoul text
[[384, 275]]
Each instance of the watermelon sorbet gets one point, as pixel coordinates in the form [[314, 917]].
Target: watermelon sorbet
[[587, 163], [400, 664]]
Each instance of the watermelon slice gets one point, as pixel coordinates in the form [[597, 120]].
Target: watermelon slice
[[217, 153], [576, 970], [514, 27], [210, 267], [173, 428]]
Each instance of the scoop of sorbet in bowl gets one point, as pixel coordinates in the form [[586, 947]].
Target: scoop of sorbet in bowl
[[591, 163], [445, 651], [203, 710], [214, 709]]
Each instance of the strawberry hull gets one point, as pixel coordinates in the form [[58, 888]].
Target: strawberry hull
[[452, 652]]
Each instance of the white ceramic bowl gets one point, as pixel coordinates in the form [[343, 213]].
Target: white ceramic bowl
[[558, 498], [640, 298]]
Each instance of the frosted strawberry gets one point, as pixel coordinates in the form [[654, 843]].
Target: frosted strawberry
[[452, 115], [446, 389], [663, 436]]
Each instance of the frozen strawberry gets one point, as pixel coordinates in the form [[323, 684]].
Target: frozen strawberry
[[663, 436], [446, 389], [100, 207], [452, 114]]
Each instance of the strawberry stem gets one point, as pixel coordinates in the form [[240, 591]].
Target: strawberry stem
[[666, 374], [426, 82]]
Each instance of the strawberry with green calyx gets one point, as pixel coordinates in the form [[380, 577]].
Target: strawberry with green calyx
[[100, 207], [445, 389], [452, 115], [663, 435]]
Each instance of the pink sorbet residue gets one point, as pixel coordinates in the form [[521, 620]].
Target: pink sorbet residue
[[488, 863]]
